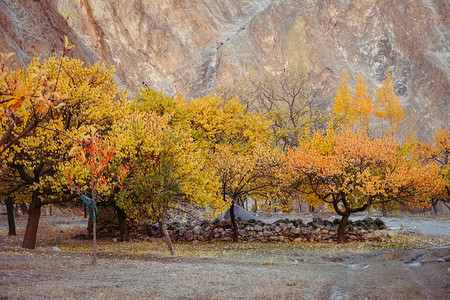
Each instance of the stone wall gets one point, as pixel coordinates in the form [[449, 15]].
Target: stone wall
[[108, 224], [283, 231]]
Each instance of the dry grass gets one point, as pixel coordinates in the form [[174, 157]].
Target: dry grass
[[145, 270], [50, 236]]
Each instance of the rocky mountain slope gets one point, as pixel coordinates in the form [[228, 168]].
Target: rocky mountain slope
[[196, 47]]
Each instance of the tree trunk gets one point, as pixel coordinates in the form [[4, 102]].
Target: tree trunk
[[341, 228], [437, 206], [94, 237], [16, 210], [234, 223], [34, 214], [10, 210], [123, 227], [167, 236], [23, 208]]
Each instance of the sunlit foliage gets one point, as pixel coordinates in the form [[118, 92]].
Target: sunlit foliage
[[87, 96], [388, 106], [355, 110], [351, 172]]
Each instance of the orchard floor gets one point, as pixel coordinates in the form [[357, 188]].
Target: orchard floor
[[412, 266]]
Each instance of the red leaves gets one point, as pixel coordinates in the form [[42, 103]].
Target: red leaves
[[96, 154], [123, 172]]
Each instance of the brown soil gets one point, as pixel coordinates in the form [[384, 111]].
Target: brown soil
[[241, 272]]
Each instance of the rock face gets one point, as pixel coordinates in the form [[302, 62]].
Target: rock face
[[196, 47]]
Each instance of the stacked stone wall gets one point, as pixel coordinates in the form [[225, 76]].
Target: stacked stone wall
[[281, 231]]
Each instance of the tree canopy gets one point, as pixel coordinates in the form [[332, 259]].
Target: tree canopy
[[350, 172], [155, 152]]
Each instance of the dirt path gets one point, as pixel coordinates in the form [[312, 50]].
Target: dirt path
[[270, 273], [304, 275], [429, 227]]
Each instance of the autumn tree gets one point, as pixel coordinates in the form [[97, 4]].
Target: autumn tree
[[355, 110], [343, 104], [238, 141], [438, 151], [358, 109], [27, 98], [388, 106], [242, 174], [89, 174], [352, 172], [167, 163], [215, 121], [363, 110], [88, 96]]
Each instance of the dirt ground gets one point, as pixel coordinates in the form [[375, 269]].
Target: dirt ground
[[62, 269]]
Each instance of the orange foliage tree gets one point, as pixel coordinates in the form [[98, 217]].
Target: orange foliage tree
[[439, 151], [352, 172]]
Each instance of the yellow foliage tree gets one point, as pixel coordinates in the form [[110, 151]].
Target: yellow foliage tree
[[247, 174], [167, 163], [354, 110], [343, 104], [388, 106], [27, 97], [217, 122], [363, 103], [88, 96], [236, 140]]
